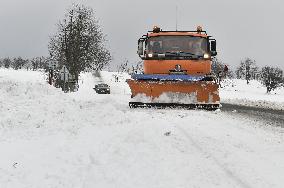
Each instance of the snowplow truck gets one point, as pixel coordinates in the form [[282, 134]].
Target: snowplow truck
[[177, 71]]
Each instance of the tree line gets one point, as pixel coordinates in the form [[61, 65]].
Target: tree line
[[37, 63], [270, 76]]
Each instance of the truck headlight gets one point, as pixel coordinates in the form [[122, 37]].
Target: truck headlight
[[206, 56]]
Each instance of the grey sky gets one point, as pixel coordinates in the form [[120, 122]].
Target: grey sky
[[243, 28]]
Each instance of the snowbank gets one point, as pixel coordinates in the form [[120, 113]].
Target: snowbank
[[253, 94]]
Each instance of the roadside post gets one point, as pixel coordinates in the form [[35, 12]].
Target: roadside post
[[64, 76], [52, 66]]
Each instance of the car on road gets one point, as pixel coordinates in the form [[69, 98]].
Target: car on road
[[102, 88]]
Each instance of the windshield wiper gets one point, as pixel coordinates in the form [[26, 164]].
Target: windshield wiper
[[182, 54], [171, 54], [191, 54], [187, 53]]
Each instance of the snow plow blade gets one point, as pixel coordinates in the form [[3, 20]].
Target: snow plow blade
[[174, 93]]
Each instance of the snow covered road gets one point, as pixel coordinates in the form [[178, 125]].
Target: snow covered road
[[268, 116], [52, 139]]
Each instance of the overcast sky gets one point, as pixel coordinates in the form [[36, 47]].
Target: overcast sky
[[242, 28]]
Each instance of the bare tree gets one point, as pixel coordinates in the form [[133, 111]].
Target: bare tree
[[217, 66], [271, 77], [7, 62], [221, 70], [123, 67], [138, 68], [35, 63], [39, 63], [247, 70], [79, 43], [1, 63], [27, 65], [19, 63]]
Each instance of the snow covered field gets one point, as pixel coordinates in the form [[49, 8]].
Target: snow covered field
[[52, 139], [253, 94]]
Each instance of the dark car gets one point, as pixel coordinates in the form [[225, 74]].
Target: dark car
[[102, 89]]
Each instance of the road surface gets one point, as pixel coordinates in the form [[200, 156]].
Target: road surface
[[269, 116]]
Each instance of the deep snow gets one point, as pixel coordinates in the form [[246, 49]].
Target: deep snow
[[52, 139], [253, 94]]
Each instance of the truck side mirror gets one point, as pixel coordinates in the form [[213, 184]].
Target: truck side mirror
[[140, 51], [213, 48]]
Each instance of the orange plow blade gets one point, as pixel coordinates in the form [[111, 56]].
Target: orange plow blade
[[189, 94]]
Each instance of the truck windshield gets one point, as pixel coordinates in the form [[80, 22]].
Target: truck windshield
[[168, 44]]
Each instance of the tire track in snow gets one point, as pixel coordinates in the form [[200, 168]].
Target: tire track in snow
[[208, 156], [269, 116]]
